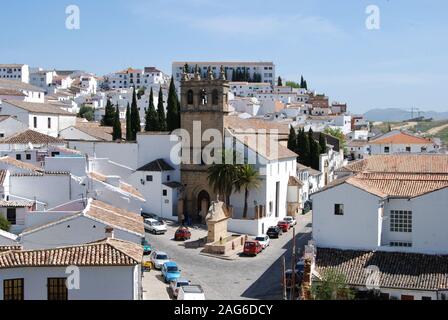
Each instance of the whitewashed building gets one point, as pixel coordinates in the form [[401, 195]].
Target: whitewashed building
[[109, 269], [42, 117], [401, 142], [21, 91], [390, 210], [15, 72]]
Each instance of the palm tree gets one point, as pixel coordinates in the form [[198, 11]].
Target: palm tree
[[247, 178], [221, 178]]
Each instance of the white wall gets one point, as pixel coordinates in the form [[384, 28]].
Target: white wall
[[356, 229], [96, 283]]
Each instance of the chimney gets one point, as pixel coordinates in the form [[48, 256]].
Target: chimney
[[109, 232]]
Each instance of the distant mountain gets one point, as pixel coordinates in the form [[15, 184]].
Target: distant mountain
[[395, 114]]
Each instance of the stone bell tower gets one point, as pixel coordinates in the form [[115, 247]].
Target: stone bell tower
[[204, 101]]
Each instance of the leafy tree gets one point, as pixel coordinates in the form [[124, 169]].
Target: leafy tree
[[135, 117], [116, 132], [151, 120], [86, 112], [247, 178], [128, 124], [173, 108], [109, 114], [322, 143], [161, 112], [337, 133], [292, 140], [141, 92], [221, 177], [293, 84], [4, 224], [332, 286], [279, 82]]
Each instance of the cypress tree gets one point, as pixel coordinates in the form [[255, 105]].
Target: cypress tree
[[128, 124], [314, 151], [135, 117], [161, 112], [300, 144], [302, 82], [109, 115], [322, 143], [306, 154], [173, 109], [151, 121], [116, 133], [279, 82], [305, 85], [292, 140]]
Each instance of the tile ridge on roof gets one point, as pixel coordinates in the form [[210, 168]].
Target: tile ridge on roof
[[51, 223]]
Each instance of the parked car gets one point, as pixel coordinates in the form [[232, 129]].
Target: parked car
[[170, 271], [283, 225], [155, 226], [177, 284], [252, 248], [191, 292], [274, 232], [264, 240], [147, 249], [158, 258], [182, 234], [307, 207], [297, 279], [290, 220], [151, 216]]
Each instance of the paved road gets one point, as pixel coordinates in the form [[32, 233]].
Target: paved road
[[244, 278]]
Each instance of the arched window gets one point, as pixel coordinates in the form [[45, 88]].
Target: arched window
[[190, 97], [215, 97], [203, 97]]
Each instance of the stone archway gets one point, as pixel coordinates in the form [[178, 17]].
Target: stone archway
[[202, 205]]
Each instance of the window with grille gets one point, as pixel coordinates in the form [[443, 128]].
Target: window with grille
[[13, 289], [401, 244], [400, 221], [57, 289]]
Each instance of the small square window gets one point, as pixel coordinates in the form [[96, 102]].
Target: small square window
[[339, 209], [168, 178], [165, 193], [149, 178], [18, 157], [28, 157]]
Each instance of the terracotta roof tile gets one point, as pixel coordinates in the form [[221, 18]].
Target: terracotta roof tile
[[20, 164], [108, 252], [397, 270], [156, 165], [401, 138], [32, 136], [34, 107]]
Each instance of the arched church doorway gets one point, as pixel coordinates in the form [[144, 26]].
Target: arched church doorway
[[203, 204]]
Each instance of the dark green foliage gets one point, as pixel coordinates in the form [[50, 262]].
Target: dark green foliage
[[161, 112], [4, 224], [135, 117], [279, 82], [322, 143], [173, 108], [151, 120], [128, 124], [116, 132], [109, 113], [292, 140], [86, 112]]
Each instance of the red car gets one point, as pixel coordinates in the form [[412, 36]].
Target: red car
[[283, 225], [182, 234], [252, 248]]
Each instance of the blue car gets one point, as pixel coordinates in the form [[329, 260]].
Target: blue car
[[170, 271]]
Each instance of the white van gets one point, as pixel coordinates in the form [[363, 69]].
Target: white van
[[192, 292]]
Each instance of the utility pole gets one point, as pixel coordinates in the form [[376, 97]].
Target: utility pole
[[293, 264], [284, 278]]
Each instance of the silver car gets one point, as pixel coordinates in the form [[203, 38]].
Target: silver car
[[158, 258]]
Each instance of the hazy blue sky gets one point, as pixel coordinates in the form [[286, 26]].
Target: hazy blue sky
[[403, 64]]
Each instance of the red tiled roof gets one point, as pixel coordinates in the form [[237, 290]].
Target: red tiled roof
[[401, 138]]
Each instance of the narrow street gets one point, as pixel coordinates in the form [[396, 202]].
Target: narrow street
[[243, 278]]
